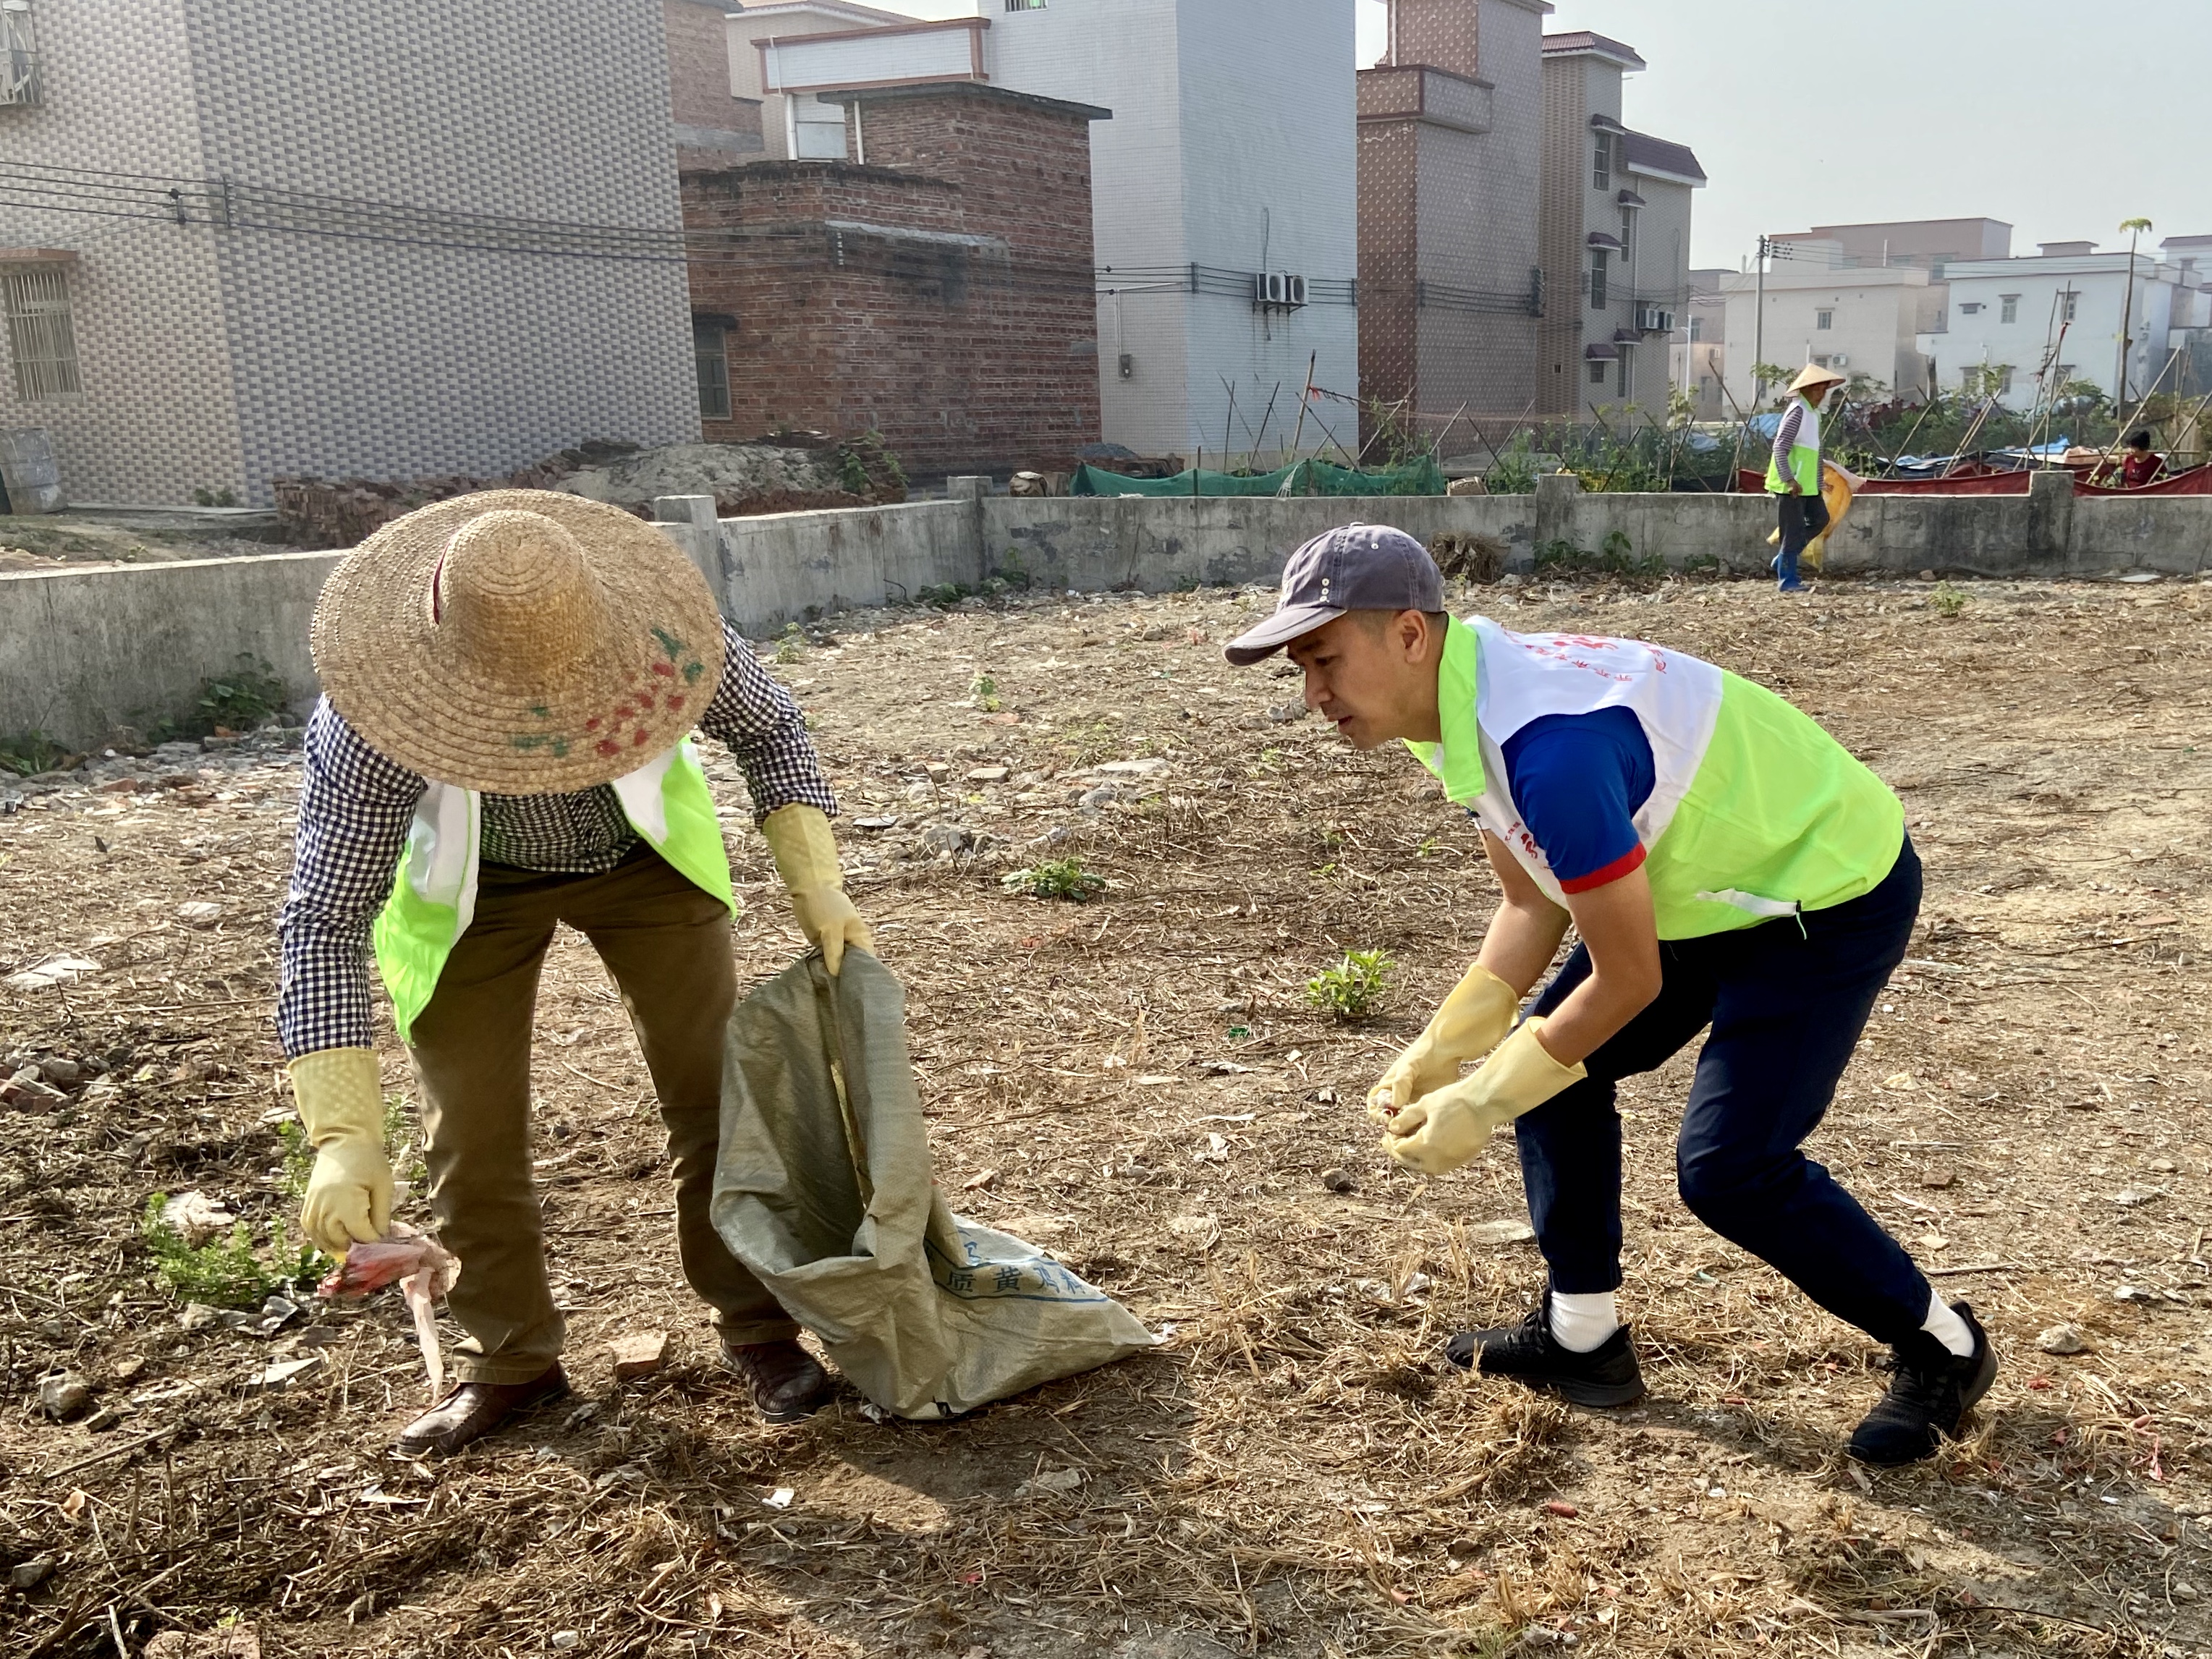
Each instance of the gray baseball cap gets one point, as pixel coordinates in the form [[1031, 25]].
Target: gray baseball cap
[[1361, 567]]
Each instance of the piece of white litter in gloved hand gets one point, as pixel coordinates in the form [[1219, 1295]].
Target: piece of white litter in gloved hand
[[425, 1270]]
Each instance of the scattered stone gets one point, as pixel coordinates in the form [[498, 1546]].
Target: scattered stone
[[64, 1396], [1059, 835], [563, 1640], [199, 1316], [876, 824], [275, 1313], [1052, 1482], [29, 1575], [1194, 1226], [1338, 1181], [61, 1071], [1500, 1232], [128, 1368], [1104, 795], [199, 912], [1288, 714], [1133, 768], [1939, 1177], [103, 1419], [117, 786], [988, 774], [639, 1354], [27, 1092], [943, 840], [2062, 1339]]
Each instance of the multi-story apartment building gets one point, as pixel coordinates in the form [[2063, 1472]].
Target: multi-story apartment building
[[2069, 313], [1813, 308], [1225, 204], [242, 242], [1614, 233], [1697, 354], [1451, 291]]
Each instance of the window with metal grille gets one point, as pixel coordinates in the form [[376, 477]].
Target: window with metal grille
[[41, 340], [18, 54], [710, 351], [1025, 5], [2008, 308], [2068, 301], [1601, 169], [1824, 320], [1597, 373], [1597, 279], [1627, 235]]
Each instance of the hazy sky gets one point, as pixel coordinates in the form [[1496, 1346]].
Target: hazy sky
[[2061, 119]]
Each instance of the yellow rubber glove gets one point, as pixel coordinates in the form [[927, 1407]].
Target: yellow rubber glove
[[806, 858], [340, 1101], [1472, 1021], [1441, 1131]]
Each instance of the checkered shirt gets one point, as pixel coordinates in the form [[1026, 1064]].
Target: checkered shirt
[[355, 806]]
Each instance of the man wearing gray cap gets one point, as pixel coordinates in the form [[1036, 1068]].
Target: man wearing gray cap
[[1726, 863]]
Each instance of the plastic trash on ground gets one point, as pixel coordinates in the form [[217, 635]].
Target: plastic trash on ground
[[424, 1271]]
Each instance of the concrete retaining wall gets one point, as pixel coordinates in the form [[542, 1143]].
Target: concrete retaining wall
[[82, 652]]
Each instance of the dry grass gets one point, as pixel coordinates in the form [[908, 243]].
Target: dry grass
[[1295, 1472]]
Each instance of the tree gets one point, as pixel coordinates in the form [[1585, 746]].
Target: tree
[[2134, 228], [1775, 375]]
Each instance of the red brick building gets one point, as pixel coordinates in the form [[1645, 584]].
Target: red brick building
[[936, 289], [714, 127]]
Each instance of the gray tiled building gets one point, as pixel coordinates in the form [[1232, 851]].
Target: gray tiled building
[[389, 239]]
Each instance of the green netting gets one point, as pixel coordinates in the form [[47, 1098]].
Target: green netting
[[1421, 477]]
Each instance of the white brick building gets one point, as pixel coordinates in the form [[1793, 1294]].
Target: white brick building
[[294, 238]]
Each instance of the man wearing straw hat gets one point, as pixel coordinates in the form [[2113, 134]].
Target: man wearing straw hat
[[1730, 869], [509, 681], [1793, 474]]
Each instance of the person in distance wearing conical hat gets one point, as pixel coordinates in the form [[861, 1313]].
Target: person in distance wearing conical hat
[[509, 682], [1793, 475]]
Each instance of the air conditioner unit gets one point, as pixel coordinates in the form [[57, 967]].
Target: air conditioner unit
[[1271, 288], [1839, 361], [1297, 286], [1651, 319]]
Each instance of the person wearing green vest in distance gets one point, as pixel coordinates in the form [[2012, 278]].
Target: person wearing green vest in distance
[[502, 747], [1726, 864], [1793, 472]]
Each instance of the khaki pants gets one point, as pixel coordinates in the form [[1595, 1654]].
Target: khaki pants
[[667, 945]]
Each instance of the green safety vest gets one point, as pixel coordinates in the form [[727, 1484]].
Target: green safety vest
[[1804, 455], [1755, 812], [434, 893]]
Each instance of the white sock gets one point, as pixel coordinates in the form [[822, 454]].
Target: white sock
[[1581, 1324], [1941, 1324]]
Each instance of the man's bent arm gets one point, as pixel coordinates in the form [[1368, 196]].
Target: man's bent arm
[[1618, 929], [1525, 933]]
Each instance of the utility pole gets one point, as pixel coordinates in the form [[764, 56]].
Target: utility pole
[[2134, 228], [1759, 331]]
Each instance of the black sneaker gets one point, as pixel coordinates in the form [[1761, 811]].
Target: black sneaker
[[1528, 1352], [1929, 1397]]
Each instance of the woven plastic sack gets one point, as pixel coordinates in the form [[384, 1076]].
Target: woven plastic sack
[[824, 1189]]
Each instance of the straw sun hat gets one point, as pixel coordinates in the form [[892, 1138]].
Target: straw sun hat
[[519, 641], [1816, 375]]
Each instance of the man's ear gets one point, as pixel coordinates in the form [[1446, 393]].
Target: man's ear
[[1411, 630]]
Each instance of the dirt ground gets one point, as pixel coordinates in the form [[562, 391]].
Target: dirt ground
[[1140, 1084]]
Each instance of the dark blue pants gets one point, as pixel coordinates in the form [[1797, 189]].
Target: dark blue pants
[[1802, 518], [1786, 1007]]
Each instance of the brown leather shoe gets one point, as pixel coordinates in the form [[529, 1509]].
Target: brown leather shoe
[[473, 1410], [786, 1381]]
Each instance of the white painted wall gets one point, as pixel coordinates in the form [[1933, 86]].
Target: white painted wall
[[1874, 314], [2092, 345], [1231, 146]]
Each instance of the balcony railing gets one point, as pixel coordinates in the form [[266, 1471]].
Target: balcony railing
[[18, 54]]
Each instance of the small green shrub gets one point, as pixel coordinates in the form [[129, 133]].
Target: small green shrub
[[1947, 600], [791, 647], [246, 696], [224, 1272], [983, 692], [205, 497], [1351, 988], [1057, 878], [31, 753]]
